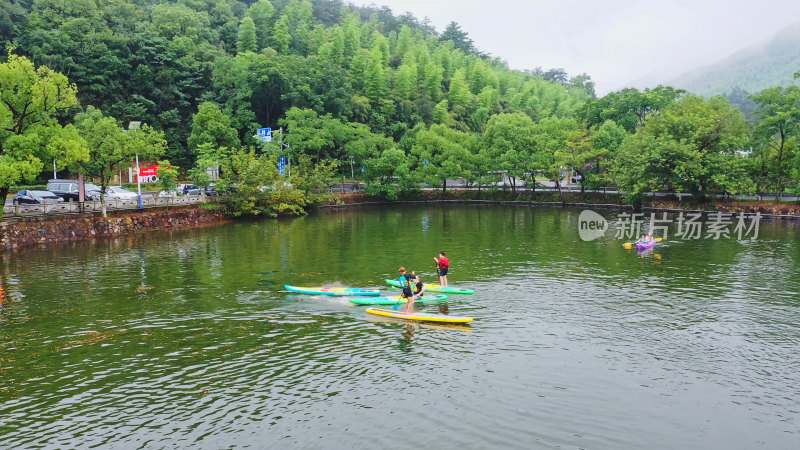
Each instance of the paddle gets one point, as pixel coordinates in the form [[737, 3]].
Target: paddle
[[398, 303], [629, 245]]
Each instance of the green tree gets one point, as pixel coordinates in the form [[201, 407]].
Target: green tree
[[280, 35], [211, 126], [300, 14], [352, 37], [261, 12], [434, 75], [30, 133], [376, 83], [386, 172], [629, 107], [443, 154], [247, 42], [261, 191], [313, 180], [692, 145], [579, 154], [405, 84], [606, 140], [776, 135], [584, 82], [648, 163], [209, 157], [459, 37], [441, 113], [459, 94], [508, 141], [110, 147], [405, 41], [326, 137], [551, 136], [167, 176], [13, 19]]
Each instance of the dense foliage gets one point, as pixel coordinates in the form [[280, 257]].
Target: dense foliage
[[357, 92]]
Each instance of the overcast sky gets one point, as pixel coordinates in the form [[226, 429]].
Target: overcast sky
[[614, 41]]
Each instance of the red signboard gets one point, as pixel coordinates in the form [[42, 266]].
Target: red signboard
[[148, 171]]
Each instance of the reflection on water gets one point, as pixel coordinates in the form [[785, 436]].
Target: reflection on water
[[186, 339]]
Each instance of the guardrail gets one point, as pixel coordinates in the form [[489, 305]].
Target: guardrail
[[31, 210]]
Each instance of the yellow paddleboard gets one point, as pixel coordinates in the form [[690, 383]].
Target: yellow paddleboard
[[418, 316]]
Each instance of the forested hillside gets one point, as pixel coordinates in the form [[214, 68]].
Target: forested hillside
[[388, 97], [759, 67], [157, 61]]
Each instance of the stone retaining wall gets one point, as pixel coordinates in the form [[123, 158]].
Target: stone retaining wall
[[40, 230], [767, 209]]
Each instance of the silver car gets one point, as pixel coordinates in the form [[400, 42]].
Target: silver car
[[120, 193]]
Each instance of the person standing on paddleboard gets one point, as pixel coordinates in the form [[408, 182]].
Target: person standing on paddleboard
[[442, 265], [419, 291], [406, 282]]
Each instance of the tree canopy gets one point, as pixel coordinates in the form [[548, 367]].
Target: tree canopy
[[354, 85]]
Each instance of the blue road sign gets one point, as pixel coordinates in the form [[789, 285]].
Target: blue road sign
[[264, 134]]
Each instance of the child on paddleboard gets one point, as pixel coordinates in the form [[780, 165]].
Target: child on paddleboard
[[442, 265], [407, 282], [419, 288], [419, 291]]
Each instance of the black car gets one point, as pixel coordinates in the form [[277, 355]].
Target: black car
[[36, 197], [210, 189], [68, 189]]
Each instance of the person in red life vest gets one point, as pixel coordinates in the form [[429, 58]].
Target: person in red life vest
[[442, 264]]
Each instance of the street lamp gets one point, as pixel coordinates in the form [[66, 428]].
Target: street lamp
[[352, 159], [132, 126]]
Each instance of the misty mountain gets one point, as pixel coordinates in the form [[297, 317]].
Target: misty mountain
[[764, 65]]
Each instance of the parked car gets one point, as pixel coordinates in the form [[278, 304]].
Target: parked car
[[68, 189], [120, 193], [167, 194], [36, 197], [189, 189], [211, 190]]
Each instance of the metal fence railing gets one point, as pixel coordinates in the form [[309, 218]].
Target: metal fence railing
[[11, 210]]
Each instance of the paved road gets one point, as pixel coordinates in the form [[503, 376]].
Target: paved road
[[547, 185]]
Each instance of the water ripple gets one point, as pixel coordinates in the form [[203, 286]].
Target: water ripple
[[187, 340]]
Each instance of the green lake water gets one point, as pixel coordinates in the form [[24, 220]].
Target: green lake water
[[187, 339]]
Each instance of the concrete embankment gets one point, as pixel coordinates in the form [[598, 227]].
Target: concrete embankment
[[767, 209]]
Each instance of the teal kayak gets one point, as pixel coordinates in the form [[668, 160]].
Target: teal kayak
[[436, 288], [396, 299], [339, 291]]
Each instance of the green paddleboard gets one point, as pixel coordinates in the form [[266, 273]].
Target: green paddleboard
[[436, 288]]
